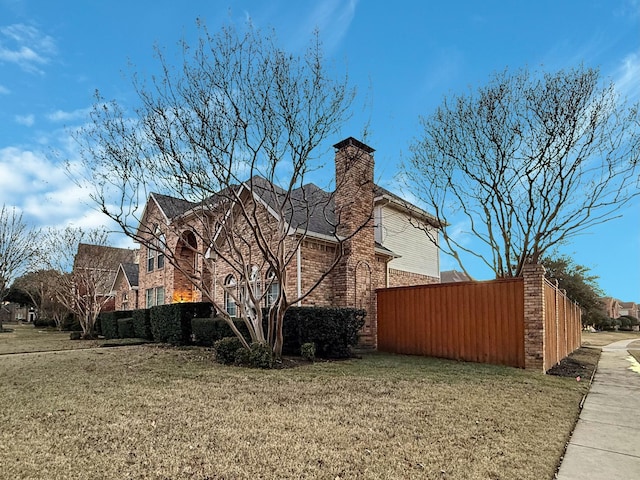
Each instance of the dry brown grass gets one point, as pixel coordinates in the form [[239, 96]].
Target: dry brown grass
[[600, 339], [25, 338], [151, 412]]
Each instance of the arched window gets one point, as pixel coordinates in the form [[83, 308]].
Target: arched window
[[254, 281], [273, 288], [229, 303]]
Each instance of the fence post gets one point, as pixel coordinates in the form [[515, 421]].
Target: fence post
[[534, 312]]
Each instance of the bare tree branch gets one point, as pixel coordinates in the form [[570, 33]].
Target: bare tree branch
[[527, 163]]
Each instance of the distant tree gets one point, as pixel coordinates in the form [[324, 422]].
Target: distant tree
[[524, 164], [42, 288], [232, 134], [17, 245], [83, 283], [579, 284]]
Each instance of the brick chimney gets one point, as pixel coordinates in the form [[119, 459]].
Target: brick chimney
[[354, 210], [354, 184]]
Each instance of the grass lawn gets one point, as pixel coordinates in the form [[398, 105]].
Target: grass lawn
[[164, 413], [600, 339], [24, 338]]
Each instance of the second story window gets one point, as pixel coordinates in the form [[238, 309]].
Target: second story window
[[151, 259]]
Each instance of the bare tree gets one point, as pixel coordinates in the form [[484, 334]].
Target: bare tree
[[17, 246], [231, 138], [524, 164], [42, 287], [85, 267]]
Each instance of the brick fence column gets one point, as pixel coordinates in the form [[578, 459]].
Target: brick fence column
[[534, 313]]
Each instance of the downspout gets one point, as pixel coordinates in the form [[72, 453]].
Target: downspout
[[299, 274]]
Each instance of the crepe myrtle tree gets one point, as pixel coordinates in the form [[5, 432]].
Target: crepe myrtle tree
[[83, 278], [41, 286], [18, 242], [525, 163], [229, 137]]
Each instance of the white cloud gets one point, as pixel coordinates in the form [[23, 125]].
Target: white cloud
[[26, 46], [27, 178], [4, 90], [332, 18], [27, 120], [627, 75], [62, 116]]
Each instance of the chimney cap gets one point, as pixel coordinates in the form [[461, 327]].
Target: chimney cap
[[356, 143]]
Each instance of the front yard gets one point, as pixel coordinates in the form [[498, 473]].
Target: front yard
[[166, 413]]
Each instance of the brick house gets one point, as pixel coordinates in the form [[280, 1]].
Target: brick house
[[610, 306], [388, 251], [125, 287], [101, 264], [629, 308]]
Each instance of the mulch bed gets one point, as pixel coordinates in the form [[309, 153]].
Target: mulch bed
[[580, 363]]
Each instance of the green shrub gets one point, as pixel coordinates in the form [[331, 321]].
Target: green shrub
[[627, 322], [142, 323], [109, 323], [44, 323], [333, 330], [226, 350], [260, 355], [125, 328], [205, 331], [308, 351], [172, 323], [70, 324]]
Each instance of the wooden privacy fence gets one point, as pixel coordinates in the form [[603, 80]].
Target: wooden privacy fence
[[520, 322], [563, 325]]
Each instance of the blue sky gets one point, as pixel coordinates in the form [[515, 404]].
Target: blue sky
[[402, 56]]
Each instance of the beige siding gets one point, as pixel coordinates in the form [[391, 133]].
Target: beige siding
[[417, 253]]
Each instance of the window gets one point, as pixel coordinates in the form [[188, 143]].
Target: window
[[229, 302], [273, 288], [254, 281], [149, 297], [151, 256], [159, 295], [155, 251], [154, 296], [162, 241]]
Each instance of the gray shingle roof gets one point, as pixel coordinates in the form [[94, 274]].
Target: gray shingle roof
[[308, 207], [131, 272], [171, 206]]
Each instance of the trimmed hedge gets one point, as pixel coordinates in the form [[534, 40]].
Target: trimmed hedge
[[206, 331], [172, 323], [142, 323], [70, 324], [44, 323], [109, 322], [333, 330], [125, 328]]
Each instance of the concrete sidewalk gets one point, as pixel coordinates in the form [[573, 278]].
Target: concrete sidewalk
[[604, 444]]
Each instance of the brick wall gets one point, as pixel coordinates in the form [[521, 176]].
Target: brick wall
[[534, 317], [400, 278], [354, 276]]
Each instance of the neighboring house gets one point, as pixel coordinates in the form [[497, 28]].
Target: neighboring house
[[611, 307], [451, 276], [629, 308], [389, 251], [14, 312], [98, 266], [125, 287]]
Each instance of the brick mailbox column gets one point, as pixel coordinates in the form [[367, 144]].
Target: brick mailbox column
[[534, 313]]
